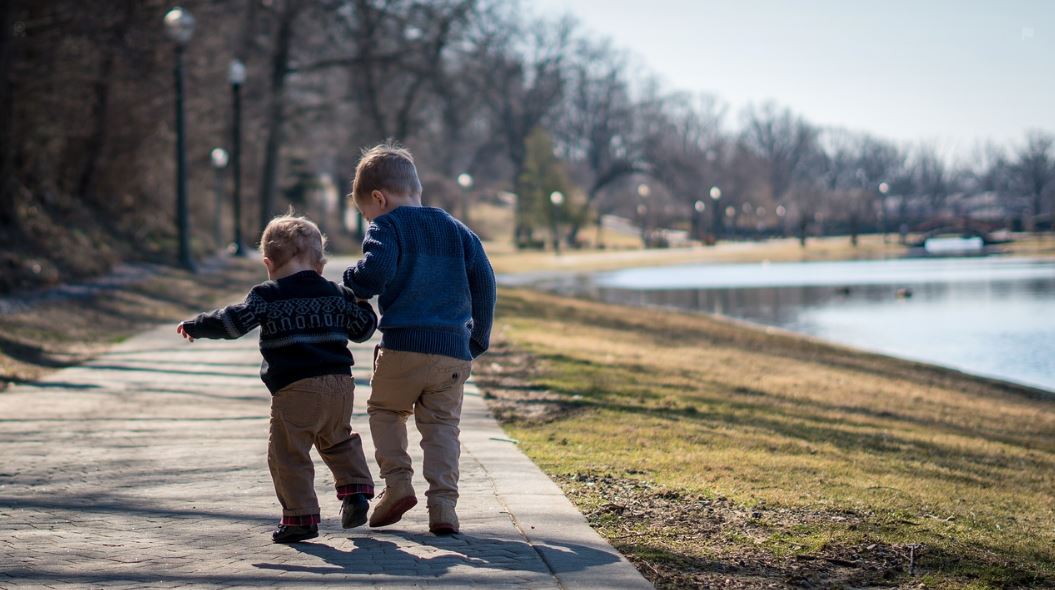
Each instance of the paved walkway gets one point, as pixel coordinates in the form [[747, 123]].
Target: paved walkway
[[146, 468]]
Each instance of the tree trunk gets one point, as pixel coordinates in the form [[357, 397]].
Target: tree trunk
[[276, 111], [576, 226], [7, 139], [101, 106]]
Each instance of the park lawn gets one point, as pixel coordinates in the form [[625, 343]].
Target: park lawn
[[712, 452], [507, 259]]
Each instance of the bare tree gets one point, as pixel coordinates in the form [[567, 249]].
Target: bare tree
[[1033, 169], [100, 111], [932, 178], [285, 18], [852, 167], [597, 123], [687, 154], [521, 78], [7, 142], [878, 163], [784, 140]]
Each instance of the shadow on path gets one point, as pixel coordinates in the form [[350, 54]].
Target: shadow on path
[[371, 555]]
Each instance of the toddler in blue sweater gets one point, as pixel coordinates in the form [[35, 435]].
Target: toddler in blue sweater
[[436, 294]]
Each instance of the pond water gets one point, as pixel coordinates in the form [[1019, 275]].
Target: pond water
[[993, 317]]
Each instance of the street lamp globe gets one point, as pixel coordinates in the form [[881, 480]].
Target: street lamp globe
[[716, 193], [781, 211], [219, 158], [236, 72], [643, 190], [641, 210], [699, 206], [465, 180], [556, 197], [179, 25], [884, 188]]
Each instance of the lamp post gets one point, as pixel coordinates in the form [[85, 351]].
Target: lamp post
[[465, 180], [699, 207], [219, 162], [236, 76], [179, 26], [556, 198], [716, 211], [643, 191], [884, 188]]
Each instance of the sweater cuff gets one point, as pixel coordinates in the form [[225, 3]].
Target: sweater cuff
[[349, 281]]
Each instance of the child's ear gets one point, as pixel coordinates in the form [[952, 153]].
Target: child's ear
[[380, 198], [270, 264]]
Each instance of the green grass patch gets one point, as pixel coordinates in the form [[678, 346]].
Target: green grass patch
[[713, 453]]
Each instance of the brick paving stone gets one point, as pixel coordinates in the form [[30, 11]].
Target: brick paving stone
[[147, 467]]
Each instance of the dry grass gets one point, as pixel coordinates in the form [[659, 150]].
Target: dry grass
[[879, 464], [507, 259], [1040, 245], [58, 334]]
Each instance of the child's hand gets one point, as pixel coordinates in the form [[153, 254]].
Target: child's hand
[[183, 332]]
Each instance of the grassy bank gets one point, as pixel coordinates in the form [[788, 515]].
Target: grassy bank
[[49, 335], [508, 260], [713, 453]]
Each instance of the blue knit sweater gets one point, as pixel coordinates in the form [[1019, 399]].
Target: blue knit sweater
[[435, 284]]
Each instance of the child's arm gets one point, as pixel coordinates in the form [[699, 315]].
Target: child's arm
[[369, 276], [233, 321], [484, 294], [360, 319]]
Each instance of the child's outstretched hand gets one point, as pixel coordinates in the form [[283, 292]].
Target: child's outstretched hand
[[183, 332]]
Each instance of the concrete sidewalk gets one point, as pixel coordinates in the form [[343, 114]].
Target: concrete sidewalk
[[147, 467]]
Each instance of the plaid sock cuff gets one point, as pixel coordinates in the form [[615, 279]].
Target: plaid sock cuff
[[355, 488], [302, 520]]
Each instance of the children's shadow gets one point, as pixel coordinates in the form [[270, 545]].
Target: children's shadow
[[408, 554]]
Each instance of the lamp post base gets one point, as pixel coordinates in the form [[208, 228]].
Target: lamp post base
[[189, 265]]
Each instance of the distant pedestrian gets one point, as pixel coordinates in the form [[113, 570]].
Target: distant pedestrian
[[436, 296], [305, 323]]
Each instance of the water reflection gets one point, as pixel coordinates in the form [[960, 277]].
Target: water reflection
[[992, 317]]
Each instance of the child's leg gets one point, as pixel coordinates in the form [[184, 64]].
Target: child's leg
[[398, 380], [338, 445], [294, 421], [437, 415]]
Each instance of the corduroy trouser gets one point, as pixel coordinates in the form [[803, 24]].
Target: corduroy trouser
[[314, 411]]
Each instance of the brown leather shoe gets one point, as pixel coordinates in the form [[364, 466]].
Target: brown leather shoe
[[393, 502], [443, 520]]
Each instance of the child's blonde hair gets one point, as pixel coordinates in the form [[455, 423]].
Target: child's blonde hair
[[388, 167], [287, 237]]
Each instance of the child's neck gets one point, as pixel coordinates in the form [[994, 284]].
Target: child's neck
[[291, 268], [397, 201]]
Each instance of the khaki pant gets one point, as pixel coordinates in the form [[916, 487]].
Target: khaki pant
[[430, 386], [314, 411]]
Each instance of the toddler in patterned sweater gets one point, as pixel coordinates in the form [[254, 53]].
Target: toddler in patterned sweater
[[305, 323]]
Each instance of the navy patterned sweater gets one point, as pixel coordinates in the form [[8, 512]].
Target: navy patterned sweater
[[305, 324], [435, 285]]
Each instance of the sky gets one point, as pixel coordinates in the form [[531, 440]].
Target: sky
[[951, 73]]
